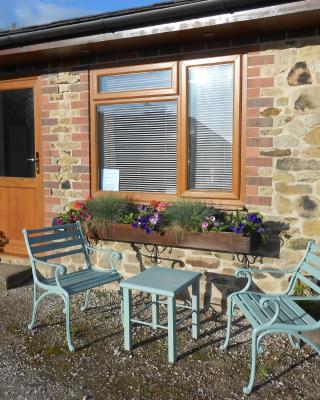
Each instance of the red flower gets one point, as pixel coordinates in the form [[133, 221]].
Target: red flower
[[159, 205], [77, 204]]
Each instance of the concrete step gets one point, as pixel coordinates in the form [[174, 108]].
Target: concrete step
[[12, 275]]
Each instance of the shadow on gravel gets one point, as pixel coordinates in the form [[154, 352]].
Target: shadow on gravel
[[276, 377]]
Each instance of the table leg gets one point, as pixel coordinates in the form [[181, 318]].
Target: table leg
[[195, 310], [127, 324], [172, 327], [155, 310]]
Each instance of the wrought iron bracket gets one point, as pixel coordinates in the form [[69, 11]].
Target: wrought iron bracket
[[247, 260], [154, 251]]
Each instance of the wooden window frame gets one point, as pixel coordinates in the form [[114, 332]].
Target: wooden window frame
[[172, 66], [179, 93], [234, 194]]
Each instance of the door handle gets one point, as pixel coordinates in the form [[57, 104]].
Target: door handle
[[36, 161]]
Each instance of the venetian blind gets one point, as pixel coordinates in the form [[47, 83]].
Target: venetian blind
[[140, 140], [211, 91], [135, 81]]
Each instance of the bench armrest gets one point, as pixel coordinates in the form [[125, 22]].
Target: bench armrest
[[266, 271], [248, 272], [114, 255], [60, 269], [265, 303]]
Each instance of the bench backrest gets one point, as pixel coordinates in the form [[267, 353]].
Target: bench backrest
[[49, 244], [308, 270]]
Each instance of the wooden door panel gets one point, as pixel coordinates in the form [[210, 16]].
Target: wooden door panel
[[21, 200], [19, 205]]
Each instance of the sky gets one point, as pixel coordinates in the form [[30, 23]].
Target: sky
[[35, 12]]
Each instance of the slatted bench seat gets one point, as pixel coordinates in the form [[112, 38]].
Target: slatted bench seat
[[76, 282], [53, 244], [278, 313], [290, 312]]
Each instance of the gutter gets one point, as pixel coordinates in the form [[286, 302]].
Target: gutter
[[129, 19]]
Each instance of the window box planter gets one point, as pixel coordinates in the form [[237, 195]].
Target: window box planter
[[226, 242]]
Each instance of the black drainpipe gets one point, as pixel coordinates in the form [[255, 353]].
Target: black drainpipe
[[135, 19]]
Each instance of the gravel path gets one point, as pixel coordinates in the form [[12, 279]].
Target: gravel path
[[37, 365]]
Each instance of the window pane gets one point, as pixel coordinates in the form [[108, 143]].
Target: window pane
[[210, 127], [139, 140], [135, 81], [17, 133]]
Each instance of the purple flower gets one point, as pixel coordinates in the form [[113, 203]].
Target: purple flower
[[252, 217], [57, 221], [135, 224], [239, 229], [260, 229]]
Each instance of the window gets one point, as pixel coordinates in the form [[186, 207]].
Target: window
[[157, 139], [17, 133], [140, 141]]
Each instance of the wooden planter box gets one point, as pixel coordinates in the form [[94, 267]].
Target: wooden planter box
[[211, 241]]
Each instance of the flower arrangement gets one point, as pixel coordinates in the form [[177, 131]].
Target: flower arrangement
[[178, 217], [150, 217], [77, 212], [238, 222], [3, 240]]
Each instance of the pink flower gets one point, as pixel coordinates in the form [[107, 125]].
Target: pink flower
[[204, 225]]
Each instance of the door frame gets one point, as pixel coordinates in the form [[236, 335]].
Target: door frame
[[28, 83]]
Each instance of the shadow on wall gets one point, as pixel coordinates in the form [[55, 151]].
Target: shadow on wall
[[225, 284], [276, 232]]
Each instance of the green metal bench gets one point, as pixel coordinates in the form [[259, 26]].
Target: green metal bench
[[282, 313], [54, 243]]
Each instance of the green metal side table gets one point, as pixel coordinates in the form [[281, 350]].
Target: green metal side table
[[159, 281]]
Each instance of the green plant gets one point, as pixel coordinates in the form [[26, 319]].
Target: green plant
[[106, 210], [185, 216], [301, 289]]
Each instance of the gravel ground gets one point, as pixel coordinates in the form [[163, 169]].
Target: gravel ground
[[37, 365]]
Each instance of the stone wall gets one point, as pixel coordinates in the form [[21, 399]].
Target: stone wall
[[282, 160], [285, 120]]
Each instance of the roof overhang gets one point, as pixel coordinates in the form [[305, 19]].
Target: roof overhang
[[292, 15]]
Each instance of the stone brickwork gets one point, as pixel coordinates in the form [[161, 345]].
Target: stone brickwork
[[282, 160], [65, 136], [284, 121]]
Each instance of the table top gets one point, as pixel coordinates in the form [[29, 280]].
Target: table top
[[161, 281]]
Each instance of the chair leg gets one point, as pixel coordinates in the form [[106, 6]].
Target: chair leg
[[36, 303], [230, 310], [247, 389], [67, 311], [84, 305], [34, 311]]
